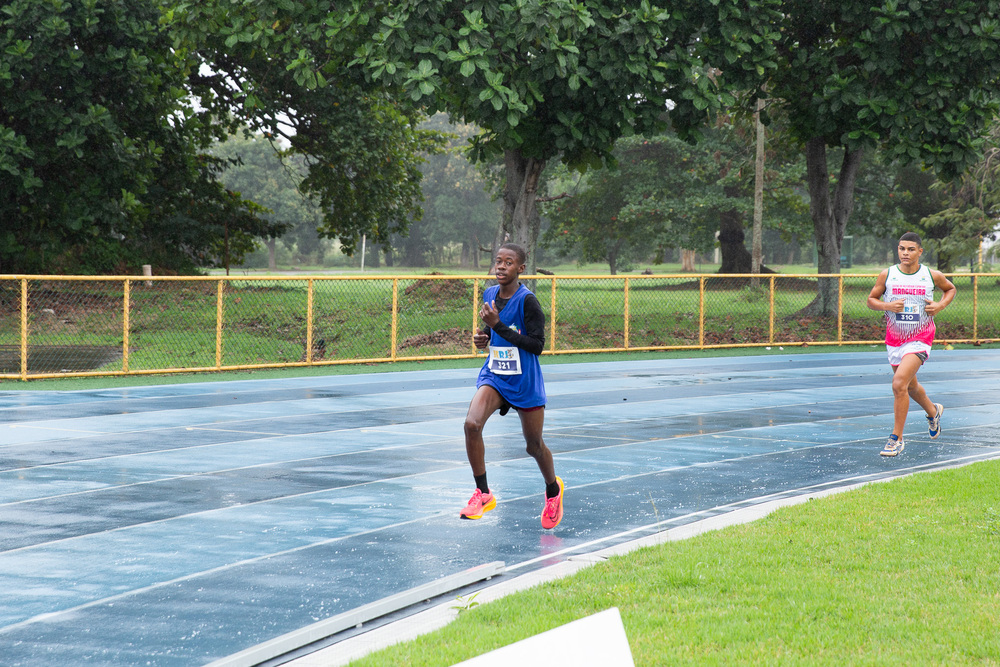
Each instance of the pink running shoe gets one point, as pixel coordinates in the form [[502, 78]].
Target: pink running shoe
[[479, 504], [553, 512]]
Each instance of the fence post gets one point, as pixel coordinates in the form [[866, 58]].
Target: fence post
[[552, 344], [701, 312], [626, 314], [24, 328], [475, 310], [770, 332], [975, 307], [395, 318], [126, 307], [218, 323], [840, 307], [309, 322]]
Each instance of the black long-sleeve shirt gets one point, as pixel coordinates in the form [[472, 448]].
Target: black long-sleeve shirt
[[533, 338]]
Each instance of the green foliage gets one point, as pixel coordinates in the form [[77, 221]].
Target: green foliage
[[107, 109], [667, 193], [954, 234], [259, 171], [457, 206], [561, 78], [82, 89], [270, 66], [967, 209], [916, 79], [101, 151], [463, 603]]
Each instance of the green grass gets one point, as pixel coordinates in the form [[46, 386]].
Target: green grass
[[906, 572]]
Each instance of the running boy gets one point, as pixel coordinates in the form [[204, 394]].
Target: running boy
[[511, 378], [906, 293]]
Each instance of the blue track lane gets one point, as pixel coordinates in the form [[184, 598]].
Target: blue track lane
[[178, 524]]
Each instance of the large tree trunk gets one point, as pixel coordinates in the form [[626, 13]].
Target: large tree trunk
[[735, 257], [687, 260], [272, 261], [520, 222], [829, 215]]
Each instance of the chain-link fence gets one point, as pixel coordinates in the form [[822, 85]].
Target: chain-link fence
[[63, 326]]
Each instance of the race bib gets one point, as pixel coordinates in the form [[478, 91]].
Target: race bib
[[505, 360], [911, 313]]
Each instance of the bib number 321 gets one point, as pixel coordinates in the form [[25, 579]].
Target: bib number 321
[[505, 360]]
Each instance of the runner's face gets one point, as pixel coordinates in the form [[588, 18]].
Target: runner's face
[[507, 268], [909, 253]]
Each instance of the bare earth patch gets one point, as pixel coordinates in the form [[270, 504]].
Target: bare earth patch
[[444, 340]]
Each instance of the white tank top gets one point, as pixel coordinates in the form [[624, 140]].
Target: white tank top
[[915, 289]]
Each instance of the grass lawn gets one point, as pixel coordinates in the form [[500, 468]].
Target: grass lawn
[[904, 572]]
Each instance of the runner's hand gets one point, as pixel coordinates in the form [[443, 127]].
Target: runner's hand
[[896, 306], [490, 314]]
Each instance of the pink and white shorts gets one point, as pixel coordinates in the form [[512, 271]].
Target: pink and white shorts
[[918, 347]]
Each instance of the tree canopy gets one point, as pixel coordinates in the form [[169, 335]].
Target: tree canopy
[[914, 80], [109, 108], [967, 209], [458, 207], [560, 79], [667, 193]]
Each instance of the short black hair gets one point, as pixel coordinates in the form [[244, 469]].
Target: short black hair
[[912, 236], [522, 255]]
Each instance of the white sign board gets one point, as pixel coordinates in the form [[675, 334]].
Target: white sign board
[[593, 641]]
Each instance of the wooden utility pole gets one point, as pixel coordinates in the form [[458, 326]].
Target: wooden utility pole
[[758, 199]]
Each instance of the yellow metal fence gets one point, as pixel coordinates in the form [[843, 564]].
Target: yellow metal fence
[[58, 326]]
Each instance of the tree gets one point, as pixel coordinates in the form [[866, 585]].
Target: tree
[[265, 175], [652, 198], [101, 152], [969, 209], [108, 109], [668, 193], [914, 80], [272, 67], [559, 79], [457, 202]]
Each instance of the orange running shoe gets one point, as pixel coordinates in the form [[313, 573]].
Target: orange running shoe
[[553, 512], [479, 504]]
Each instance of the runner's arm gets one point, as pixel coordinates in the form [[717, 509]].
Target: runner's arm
[[533, 338], [875, 301], [948, 293]]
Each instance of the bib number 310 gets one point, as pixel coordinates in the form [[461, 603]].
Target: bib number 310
[[911, 313]]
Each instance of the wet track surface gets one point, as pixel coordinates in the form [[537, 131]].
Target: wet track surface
[[178, 524]]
